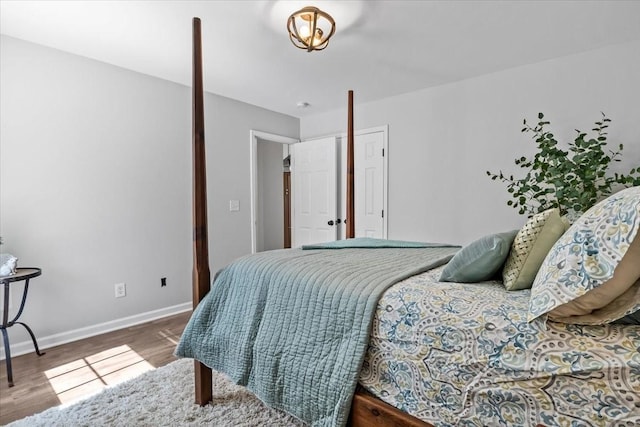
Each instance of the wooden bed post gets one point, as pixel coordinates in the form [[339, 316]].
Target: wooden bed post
[[351, 218], [201, 275]]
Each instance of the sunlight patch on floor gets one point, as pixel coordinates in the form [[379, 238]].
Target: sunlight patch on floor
[[172, 338], [85, 377]]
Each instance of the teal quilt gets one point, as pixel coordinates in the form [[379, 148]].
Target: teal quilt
[[293, 325], [372, 243]]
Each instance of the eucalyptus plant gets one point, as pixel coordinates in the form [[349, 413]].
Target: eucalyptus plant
[[572, 180]]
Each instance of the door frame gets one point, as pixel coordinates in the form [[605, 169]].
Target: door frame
[[254, 136], [286, 189]]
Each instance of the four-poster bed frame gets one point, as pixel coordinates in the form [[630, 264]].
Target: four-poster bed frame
[[366, 410]]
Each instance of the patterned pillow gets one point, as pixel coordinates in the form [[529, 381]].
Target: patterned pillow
[[531, 245], [592, 274]]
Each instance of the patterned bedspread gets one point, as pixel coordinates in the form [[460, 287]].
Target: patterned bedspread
[[464, 355]]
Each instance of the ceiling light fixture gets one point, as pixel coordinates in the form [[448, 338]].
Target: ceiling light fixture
[[310, 28]]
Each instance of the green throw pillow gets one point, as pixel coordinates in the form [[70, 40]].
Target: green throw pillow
[[480, 260], [530, 247]]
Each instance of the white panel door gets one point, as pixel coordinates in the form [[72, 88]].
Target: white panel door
[[313, 180], [369, 184]]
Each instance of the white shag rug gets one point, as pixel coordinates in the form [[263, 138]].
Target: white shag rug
[[164, 397]]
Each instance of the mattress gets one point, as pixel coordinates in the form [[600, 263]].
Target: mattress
[[457, 354]]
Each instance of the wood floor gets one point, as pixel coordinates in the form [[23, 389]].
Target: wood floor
[[71, 371]]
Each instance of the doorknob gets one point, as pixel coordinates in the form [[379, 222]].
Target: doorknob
[[330, 222], [338, 221]]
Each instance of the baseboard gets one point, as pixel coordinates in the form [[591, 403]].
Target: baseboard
[[25, 347]]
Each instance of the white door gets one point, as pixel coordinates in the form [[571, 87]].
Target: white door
[[313, 176], [369, 182]]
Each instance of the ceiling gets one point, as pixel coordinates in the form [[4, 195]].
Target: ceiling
[[380, 49]]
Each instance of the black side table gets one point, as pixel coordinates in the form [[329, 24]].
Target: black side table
[[21, 274]]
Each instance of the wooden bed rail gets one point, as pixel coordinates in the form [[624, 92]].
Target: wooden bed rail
[[201, 274], [369, 411]]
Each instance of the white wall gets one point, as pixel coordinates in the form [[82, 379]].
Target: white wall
[[95, 185], [270, 230], [228, 125], [442, 140]]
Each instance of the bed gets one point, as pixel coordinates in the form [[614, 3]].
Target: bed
[[424, 351], [457, 353]]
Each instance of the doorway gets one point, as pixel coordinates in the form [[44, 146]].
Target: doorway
[[267, 155], [319, 187]]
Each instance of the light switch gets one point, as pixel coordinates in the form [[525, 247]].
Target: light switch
[[234, 205]]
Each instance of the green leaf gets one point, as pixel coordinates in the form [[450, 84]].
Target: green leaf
[[567, 179]]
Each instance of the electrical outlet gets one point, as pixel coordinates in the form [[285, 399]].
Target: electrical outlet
[[163, 282], [121, 290]]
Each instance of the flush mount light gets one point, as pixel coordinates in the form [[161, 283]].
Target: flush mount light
[[310, 28]]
